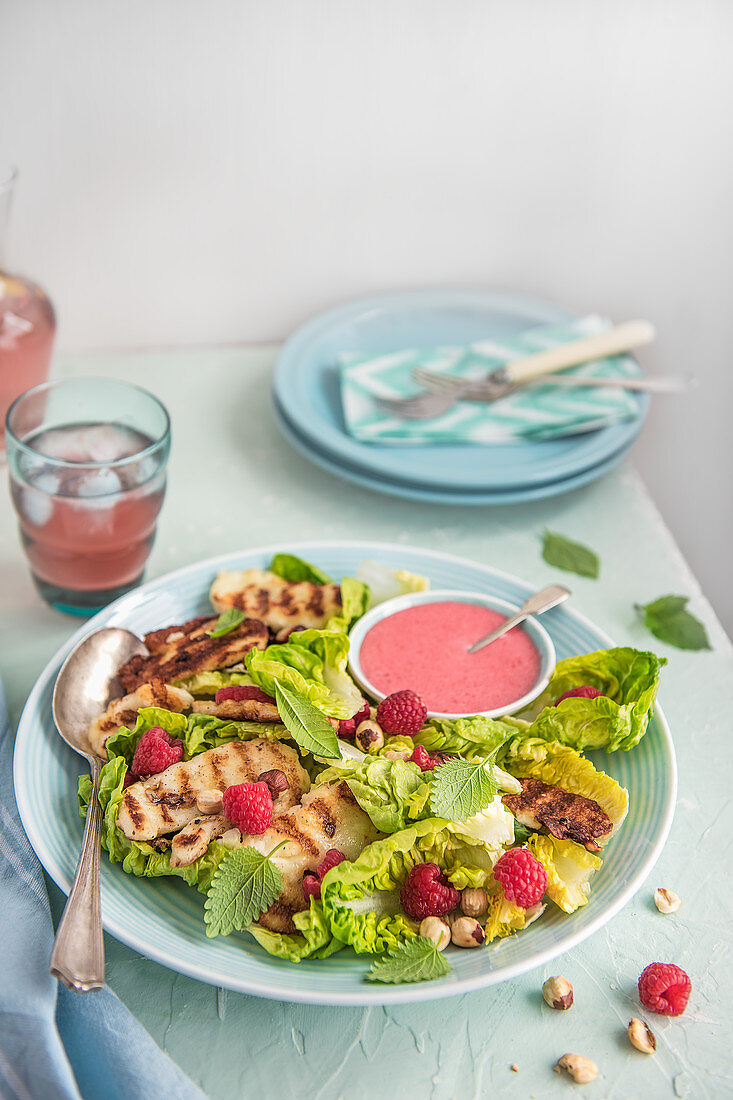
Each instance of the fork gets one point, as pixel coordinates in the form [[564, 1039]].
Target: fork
[[425, 406], [481, 391]]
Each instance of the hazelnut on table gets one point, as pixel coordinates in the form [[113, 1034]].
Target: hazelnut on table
[[558, 993]]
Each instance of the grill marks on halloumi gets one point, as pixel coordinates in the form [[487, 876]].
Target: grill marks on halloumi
[[243, 710], [279, 603], [165, 803], [181, 650], [123, 712], [329, 817], [566, 816]]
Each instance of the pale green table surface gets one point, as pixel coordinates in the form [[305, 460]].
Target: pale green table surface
[[235, 484]]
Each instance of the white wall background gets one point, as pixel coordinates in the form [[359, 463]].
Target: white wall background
[[198, 172]]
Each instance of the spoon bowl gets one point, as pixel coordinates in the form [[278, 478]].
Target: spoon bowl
[[86, 683]]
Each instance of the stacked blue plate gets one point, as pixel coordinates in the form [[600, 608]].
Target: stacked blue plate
[[307, 403]]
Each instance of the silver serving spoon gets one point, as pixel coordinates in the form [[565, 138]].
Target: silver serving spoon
[[535, 605], [84, 686]]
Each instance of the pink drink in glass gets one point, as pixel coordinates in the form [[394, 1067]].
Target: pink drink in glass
[[87, 460], [89, 530]]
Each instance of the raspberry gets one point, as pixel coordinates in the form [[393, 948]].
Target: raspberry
[[423, 759], [331, 859], [239, 692], [249, 807], [426, 892], [347, 728], [664, 988], [156, 750], [522, 878], [311, 887], [584, 692], [402, 712]]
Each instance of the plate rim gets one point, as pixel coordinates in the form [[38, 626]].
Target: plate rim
[[392, 995], [455, 498], [290, 357]]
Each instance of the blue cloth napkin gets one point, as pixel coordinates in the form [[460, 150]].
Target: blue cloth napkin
[[533, 412], [55, 1044]]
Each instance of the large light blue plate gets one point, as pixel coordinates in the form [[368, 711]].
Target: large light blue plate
[[306, 386], [433, 495], [162, 918]]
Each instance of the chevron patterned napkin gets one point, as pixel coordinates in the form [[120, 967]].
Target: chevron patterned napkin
[[535, 412]]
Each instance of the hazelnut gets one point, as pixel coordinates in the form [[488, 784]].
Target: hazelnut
[[467, 932], [437, 931], [276, 781], [369, 736], [232, 838], [558, 993], [474, 902], [209, 802], [514, 1067], [666, 901], [582, 1070], [641, 1036]]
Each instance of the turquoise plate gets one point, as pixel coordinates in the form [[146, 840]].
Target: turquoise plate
[[306, 386], [163, 919]]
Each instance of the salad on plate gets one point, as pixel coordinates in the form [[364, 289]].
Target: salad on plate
[[244, 760]]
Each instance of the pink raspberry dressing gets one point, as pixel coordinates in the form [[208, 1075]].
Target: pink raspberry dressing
[[426, 648]]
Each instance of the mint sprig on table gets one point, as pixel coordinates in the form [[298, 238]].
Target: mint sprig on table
[[228, 620], [309, 728], [418, 960], [244, 885], [671, 622], [571, 556], [461, 788]]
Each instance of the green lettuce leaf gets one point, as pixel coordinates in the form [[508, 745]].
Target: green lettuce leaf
[[385, 583], [202, 684], [503, 917], [564, 767], [311, 663], [392, 792], [568, 866], [361, 899], [313, 941], [139, 858], [628, 678], [472, 738], [198, 732]]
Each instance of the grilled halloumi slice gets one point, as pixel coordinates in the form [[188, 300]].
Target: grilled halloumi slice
[[566, 816], [194, 839], [328, 817], [165, 803], [123, 712], [239, 710], [181, 650], [279, 603]]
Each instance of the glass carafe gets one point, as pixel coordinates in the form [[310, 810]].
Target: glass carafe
[[27, 321]]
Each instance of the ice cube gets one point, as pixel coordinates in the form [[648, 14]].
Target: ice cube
[[36, 506], [108, 442], [97, 483]]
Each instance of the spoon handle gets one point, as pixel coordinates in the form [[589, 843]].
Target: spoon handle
[[535, 605], [78, 951]]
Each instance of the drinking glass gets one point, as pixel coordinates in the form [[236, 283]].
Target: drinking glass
[[87, 460], [27, 321]]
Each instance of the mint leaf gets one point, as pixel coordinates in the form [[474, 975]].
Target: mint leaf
[[228, 620], [295, 569], [244, 885], [309, 728], [571, 556], [668, 620], [461, 788], [418, 960]]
